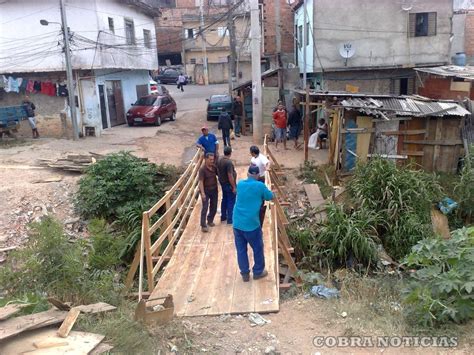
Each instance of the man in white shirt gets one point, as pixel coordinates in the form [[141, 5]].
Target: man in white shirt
[[263, 164], [260, 160], [181, 81]]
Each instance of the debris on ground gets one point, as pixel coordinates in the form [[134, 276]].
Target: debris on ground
[[324, 292], [256, 319], [72, 162]]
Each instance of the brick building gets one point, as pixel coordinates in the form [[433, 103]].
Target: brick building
[[270, 26]]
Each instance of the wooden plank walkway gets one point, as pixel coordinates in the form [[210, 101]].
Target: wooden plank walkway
[[204, 278]]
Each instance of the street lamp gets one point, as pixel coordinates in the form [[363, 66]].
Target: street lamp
[[67, 54]]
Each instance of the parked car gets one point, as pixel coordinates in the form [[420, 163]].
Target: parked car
[[169, 76], [215, 105], [152, 109], [157, 89]]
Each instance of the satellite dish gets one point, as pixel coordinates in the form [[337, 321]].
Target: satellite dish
[[346, 50], [407, 5]]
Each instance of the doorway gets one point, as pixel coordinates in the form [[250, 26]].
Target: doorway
[[103, 108], [115, 102]]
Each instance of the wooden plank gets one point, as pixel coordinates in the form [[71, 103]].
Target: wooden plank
[[363, 139], [207, 278], [100, 307], [221, 297], [440, 223], [147, 250], [78, 343], [58, 304], [11, 309], [68, 323], [414, 154], [315, 197], [409, 132], [447, 142]]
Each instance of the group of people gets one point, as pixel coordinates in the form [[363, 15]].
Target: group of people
[[242, 204], [282, 120]]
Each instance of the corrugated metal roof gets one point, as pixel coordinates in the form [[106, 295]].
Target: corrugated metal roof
[[466, 72], [391, 107]]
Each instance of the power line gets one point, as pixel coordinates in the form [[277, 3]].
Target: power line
[[28, 15]]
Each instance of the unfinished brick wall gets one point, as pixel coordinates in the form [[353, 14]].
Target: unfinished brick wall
[[469, 34], [169, 30], [286, 27], [440, 88]]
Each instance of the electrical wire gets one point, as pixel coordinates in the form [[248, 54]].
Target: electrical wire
[[28, 15]]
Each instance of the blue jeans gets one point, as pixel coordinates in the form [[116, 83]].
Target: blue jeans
[[227, 203], [237, 124], [255, 239]]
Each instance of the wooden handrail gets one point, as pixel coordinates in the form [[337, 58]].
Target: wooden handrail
[[177, 209]]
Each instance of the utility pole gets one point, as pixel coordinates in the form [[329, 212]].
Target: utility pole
[[70, 84], [277, 32], [305, 31], [256, 34], [232, 44], [203, 39]]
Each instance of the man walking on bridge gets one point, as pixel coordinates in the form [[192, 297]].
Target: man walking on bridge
[[247, 230], [227, 178], [209, 193]]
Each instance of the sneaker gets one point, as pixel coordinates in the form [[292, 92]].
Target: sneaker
[[262, 275], [229, 223], [246, 277], [317, 148], [204, 229], [211, 224], [223, 219]]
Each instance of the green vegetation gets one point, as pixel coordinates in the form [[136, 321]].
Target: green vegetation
[[464, 189], [440, 290], [316, 174], [118, 189]]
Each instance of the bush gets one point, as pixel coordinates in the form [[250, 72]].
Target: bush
[[464, 189], [106, 247], [441, 287], [120, 179], [50, 264], [347, 236], [402, 196]]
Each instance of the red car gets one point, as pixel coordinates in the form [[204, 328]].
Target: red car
[[152, 109]]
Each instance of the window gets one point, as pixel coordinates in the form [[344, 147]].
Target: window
[[192, 61], [111, 25], [147, 38], [129, 31], [300, 35], [221, 31], [190, 33], [146, 101], [307, 34], [422, 24]]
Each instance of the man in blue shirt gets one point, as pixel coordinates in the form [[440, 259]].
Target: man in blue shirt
[[208, 142], [247, 230]]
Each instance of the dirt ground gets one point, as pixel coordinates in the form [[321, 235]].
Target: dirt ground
[[26, 198]]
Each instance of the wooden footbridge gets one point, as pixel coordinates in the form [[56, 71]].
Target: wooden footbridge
[[200, 270]]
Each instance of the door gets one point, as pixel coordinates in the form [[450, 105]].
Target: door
[[115, 102], [165, 104], [103, 108]]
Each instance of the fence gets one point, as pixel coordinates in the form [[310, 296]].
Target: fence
[[176, 207]]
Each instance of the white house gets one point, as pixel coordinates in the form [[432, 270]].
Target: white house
[[113, 49]]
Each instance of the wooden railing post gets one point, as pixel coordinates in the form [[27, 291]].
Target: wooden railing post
[[168, 221], [147, 245]]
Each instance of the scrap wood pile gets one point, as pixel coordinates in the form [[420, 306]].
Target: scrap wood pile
[[34, 333], [72, 162]]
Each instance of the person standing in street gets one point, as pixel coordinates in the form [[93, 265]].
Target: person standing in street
[[225, 125], [208, 191], [280, 120], [30, 114], [208, 142], [247, 230], [295, 122], [181, 81], [263, 164], [237, 111], [227, 179]]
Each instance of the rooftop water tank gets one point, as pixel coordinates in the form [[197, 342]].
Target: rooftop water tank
[[459, 59]]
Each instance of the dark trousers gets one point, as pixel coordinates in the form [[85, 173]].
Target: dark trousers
[[255, 239], [226, 137], [237, 124], [180, 86], [209, 203], [263, 208], [227, 203]]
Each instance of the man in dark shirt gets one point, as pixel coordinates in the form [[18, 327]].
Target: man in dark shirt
[[227, 177], [209, 193], [295, 123], [225, 125], [30, 114]]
